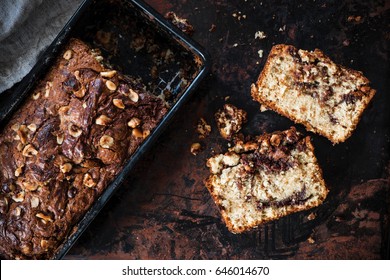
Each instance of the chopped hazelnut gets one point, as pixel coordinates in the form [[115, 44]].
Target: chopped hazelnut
[[66, 167], [18, 171], [68, 54], [36, 95], [44, 244], [106, 142], [29, 186], [60, 139], [74, 131], [29, 151], [88, 181], [44, 218], [20, 146], [17, 211], [145, 133], [49, 85], [32, 127], [137, 133], [275, 140], [134, 122], [34, 202], [22, 133], [110, 85], [133, 96], [80, 93], [108, 74], [18, 197], [195, 148], [103, 120], [118, 103]]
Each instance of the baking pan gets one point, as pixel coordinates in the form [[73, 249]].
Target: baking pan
[[127, 32]]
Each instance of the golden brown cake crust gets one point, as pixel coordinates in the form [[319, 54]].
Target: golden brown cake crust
[[63, 147], [262, 180], [314, 83]]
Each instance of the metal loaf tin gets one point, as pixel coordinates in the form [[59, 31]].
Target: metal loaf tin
[[124, 30]]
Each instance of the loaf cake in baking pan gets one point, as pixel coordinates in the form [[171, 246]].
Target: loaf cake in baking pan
[[261, 180], [64, 146], [309, 88]]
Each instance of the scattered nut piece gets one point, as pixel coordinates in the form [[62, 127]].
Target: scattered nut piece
[[133, 96], [311, 240], [108, 74], [230, 120], [137, 133], [68, 54], [34, 202], [103, 120], [260, 34], [118, 103], [29, 151], [74, 131], [66, 167], [60, 139], [195, 148], [36, 95], [32, 127], [311, 217], [134, 122], [19, 197], [106, 142], [275, 140], [110, 85], [88, 181], [84, 105], [203, 128]]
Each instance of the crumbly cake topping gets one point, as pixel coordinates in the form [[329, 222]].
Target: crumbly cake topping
[[264, 179], [64, 146], [230, 120], [311, 89]]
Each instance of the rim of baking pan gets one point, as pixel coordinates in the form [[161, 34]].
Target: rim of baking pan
[[47, 58], [197, 51]]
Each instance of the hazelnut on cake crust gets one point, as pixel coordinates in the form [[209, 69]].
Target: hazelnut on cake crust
[[309, 88], [264, 179]]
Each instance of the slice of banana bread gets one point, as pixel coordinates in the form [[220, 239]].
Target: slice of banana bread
[[309, 88], [267, 178]]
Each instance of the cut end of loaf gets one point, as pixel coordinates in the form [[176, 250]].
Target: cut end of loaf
[[309, 88], [262, 180]]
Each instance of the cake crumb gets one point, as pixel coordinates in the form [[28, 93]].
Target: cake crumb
[[311, 240], [260, 52], [203, 128], [260, 35], [311, 217], [230, 120], [195, 148]]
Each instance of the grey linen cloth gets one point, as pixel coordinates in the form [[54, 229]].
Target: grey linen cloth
[[27, 27]]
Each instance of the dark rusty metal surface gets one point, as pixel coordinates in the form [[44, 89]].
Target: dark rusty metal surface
[[163, 211]]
